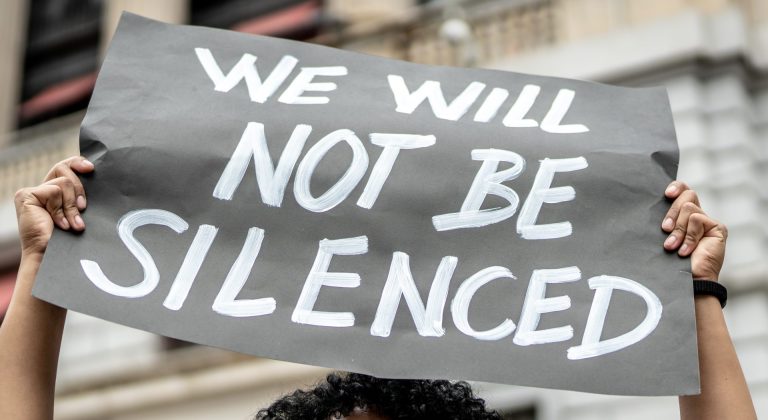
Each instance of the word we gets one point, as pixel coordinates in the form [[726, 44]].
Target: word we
[[399, 284]]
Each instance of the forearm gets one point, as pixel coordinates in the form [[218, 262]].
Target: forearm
[[30, 338], [724, 392]]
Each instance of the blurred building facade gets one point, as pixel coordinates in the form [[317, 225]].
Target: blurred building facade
[[712, 55]]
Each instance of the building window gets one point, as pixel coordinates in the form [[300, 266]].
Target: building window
[[294, 19], [61, 58]]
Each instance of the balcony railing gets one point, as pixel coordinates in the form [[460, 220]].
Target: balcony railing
[[498, 29]]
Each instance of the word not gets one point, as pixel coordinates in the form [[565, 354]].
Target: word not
[[400, 283], [489, 180]]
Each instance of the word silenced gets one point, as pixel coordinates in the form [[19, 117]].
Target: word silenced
[[400, 284]]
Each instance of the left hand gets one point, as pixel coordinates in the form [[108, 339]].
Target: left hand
[[59, 200], [693, 233]]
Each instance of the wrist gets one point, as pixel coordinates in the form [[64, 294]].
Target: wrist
[[28, 268], [708, 312], [711, 277], [22, 299], [710, 288], [31, 256]]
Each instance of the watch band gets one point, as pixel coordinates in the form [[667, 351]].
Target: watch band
[[711, 288]]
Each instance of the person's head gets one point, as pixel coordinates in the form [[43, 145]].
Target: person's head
[[361, 396]]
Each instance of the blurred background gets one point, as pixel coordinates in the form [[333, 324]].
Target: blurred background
[[712, 55]]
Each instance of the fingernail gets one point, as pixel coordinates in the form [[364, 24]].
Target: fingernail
[[80, 202], [88, 163], [670, 240], [683, 249], [671, 189], [79, 221], [668, 223], [64, 223]]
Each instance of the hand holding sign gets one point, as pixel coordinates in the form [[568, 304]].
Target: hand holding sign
[[400, 220], [62, 196], [693, 233]]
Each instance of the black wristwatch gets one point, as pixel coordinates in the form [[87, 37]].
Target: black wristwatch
[[711, 288]]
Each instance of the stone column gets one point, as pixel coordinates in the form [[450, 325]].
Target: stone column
[[171, 11], [13, 26]]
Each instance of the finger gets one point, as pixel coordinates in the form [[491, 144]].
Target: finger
[[67, 168], [50, 198], [687, 196], [69, 202], [720, 231], [675, 188], [698, 225], [78, 164], [81, 165], [675, 239]]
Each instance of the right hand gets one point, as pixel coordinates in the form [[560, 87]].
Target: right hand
[[693, 233], [58, 200]]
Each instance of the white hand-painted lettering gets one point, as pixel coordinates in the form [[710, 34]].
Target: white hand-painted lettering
[[319, 276], [429, 320], [536, 304], [125, 227]]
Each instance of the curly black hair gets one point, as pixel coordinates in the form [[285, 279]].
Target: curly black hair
[[396, 399]]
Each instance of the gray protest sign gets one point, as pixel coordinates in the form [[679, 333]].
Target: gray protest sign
[[320, 206]]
